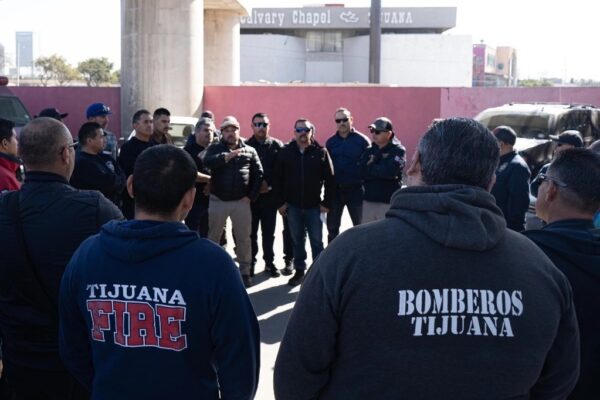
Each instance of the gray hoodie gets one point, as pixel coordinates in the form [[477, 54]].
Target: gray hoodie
[[437, 301]]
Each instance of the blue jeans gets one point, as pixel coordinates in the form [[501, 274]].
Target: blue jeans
[[301, 221], [351, 197]]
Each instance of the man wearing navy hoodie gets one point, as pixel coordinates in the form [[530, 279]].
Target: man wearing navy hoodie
[[148, 309], [439, 300], [568, 198]]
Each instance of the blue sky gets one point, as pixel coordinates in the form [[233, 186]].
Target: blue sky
[[554, 39]]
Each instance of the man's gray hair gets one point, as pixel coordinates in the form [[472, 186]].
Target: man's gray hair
[[458, 151], [41, 141], [202, 122]]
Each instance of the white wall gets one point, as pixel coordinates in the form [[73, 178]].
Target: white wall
[[275, 58], [413, 60]]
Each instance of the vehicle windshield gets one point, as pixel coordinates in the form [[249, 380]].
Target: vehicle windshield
[[180, 132], [526, 126], [12, 109]]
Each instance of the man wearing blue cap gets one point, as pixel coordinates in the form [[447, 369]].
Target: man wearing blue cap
[[98, 113]]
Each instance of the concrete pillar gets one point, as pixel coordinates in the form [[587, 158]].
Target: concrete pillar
[[161, 57], [222, 46]]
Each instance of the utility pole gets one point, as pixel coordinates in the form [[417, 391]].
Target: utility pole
[[375, 42]]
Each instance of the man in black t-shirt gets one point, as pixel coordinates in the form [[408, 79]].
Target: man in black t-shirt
[[142, 124], [95, 170], [197, 218]]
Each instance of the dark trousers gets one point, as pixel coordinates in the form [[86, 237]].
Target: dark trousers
[[35, 384], [302, 221], [348, 196], [265, 214], [288, 244], [197, 218]]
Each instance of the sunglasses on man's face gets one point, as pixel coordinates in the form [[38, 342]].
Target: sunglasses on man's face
[[260, 124], [340, 120], [375, 131], [302, 130]]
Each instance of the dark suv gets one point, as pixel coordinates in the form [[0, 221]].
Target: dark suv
[[535, 122], [11, 107]]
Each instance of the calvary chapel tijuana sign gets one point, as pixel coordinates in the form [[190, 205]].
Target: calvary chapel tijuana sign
[[349, 18]]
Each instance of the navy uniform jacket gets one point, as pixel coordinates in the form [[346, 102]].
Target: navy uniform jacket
[[512, 190], [99, 172], [381, 171], [56, 218], [345, 155]]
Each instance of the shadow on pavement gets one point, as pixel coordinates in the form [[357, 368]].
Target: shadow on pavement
[[273, 328], [267, 300], [272, 297]]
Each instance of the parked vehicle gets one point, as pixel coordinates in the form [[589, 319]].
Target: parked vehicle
[[534, 123], [181, 128], [11, 107]]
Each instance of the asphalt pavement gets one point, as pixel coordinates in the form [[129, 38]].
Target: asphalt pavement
[[273, 300]]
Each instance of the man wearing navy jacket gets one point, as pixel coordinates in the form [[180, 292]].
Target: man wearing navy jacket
[[148, 309], [567, 200], [345, 147]]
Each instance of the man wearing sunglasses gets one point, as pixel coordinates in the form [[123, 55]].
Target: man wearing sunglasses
[[264, 209], [570, 139], [568, 198], [301, 171], [511, 189], [381, 168], [345, 147]]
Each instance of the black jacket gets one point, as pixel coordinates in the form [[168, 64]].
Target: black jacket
[[99, 172], [267, 152], [512, 190], [197, 152], [56, 218], [442, 298], [238, 178], [130, 151], [299, 177], [381, 171], [574, 247]]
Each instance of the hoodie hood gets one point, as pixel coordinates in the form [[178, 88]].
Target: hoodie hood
[[137, 241], [575, 241], [456, 216]]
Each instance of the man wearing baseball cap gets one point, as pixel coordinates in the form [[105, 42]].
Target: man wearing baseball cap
[[511, 189], [236, 176], [381, 169], [52, 113], [98, 113], [566, 140]]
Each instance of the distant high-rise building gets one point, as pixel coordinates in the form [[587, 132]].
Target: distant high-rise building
[[24, 53], [2, 59]]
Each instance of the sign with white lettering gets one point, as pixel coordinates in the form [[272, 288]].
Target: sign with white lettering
[[433, 18]]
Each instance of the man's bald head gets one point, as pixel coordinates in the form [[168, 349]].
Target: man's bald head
[[42, 145], [42, 141]]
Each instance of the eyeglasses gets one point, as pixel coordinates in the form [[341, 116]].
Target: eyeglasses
[[302, 130], [375, 131], [260, 124], [543, 177], [340, 120], [68, 146]]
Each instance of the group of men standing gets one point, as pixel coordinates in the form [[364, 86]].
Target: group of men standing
[[249, 181], [147, 307]]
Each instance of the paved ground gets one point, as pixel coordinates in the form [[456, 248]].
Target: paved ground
[[273, 301]]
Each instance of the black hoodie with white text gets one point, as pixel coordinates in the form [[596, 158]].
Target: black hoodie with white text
[[437, 301]]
